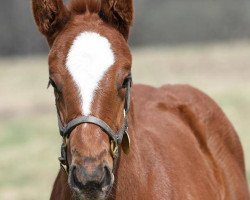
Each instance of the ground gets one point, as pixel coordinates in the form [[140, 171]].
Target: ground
[[29, 138]]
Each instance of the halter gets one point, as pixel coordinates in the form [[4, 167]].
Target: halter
[[116, 138]]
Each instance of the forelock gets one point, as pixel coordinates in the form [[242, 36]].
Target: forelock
[[83, 6]]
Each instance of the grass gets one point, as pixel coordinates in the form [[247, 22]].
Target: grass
[[28, 152], [29, 139]]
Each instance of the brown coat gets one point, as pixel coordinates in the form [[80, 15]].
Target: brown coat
[[183, 147]]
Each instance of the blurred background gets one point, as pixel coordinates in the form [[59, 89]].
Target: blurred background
[[205, 43]]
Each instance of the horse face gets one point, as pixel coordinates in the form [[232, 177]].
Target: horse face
[[89, 62], [88, 75]]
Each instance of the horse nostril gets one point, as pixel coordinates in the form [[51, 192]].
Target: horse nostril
[[107, 179], [74, 180]]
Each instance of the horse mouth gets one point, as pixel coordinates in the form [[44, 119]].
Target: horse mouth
[[91, 191], [91, 195]]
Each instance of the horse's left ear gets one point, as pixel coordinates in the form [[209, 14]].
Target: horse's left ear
[[118, 13], [50, 16]]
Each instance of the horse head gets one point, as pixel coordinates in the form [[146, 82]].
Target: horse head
[[90, 71]]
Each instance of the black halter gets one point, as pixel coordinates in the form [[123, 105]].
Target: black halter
[[115, 138]]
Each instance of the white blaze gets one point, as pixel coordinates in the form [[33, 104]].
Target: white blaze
[[88, 59]]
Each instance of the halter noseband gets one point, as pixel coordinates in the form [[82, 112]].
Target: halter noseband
[[115, 138]]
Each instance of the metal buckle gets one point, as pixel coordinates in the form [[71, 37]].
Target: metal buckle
[[114, 149]]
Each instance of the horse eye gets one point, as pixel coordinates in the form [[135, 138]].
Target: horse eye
[[51, 83], [126, 81]]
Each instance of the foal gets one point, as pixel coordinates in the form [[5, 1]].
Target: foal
[[182, 145]]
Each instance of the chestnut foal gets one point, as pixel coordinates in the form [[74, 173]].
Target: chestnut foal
[[182, 145]]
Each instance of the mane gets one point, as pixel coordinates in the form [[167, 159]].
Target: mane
[[83, 6]]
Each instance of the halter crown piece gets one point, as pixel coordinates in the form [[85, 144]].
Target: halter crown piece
[[116, 139]]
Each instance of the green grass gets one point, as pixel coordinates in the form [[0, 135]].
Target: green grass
[[29, 138], [28, 157]]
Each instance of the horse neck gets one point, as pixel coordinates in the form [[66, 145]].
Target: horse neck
[[127, 166]]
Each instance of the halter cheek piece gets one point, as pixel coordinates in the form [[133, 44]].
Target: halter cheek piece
[[116, 139]]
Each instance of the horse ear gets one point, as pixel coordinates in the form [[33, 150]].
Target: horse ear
[[119, 13], [50, 16]]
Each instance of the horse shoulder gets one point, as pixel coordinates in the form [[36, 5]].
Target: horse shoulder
[[217, 136], [202, 112]]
